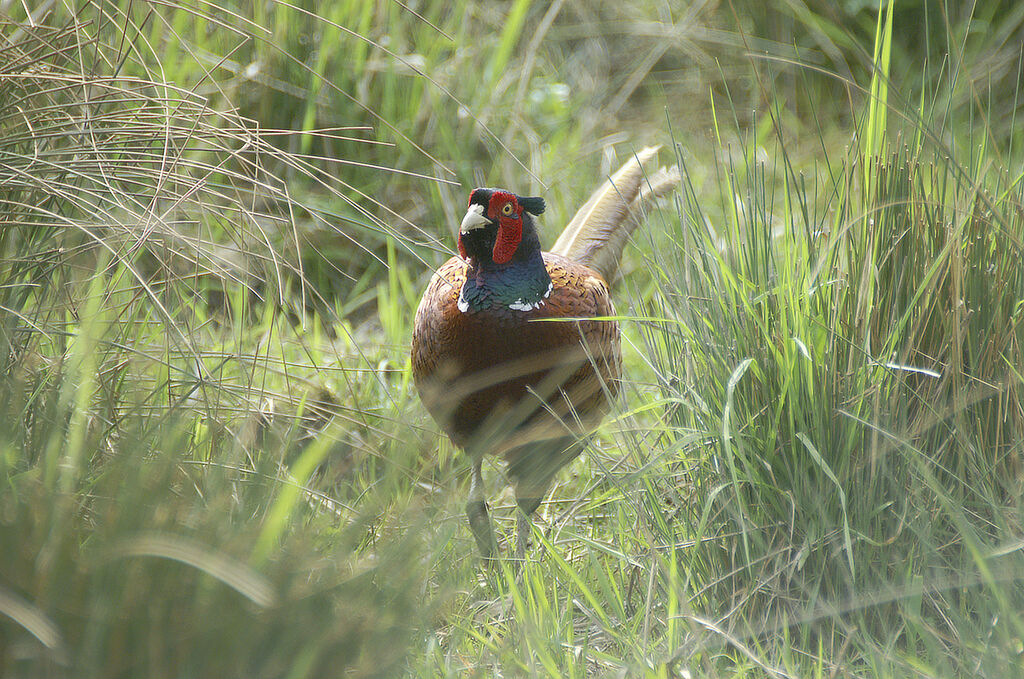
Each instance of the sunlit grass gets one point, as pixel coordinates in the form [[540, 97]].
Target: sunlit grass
[[216, 226]]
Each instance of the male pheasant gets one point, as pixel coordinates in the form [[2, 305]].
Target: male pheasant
[[492, 362]]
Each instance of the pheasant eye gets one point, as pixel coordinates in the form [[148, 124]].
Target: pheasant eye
[[507, 210]]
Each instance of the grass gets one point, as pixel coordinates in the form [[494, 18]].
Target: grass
[[212, 459]]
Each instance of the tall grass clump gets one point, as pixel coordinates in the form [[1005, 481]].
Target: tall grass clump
[[846, 348], [161, 408], [216, 220]]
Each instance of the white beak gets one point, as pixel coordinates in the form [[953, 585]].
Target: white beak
[[474, 218]]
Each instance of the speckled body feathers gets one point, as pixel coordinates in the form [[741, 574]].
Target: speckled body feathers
[[470, 367]]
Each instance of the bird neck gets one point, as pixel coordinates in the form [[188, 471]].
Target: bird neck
[[522, 284]]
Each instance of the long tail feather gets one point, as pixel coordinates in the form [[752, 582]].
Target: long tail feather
[[658, 185], [598, 232]]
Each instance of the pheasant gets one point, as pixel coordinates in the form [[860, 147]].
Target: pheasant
[[515, 351]]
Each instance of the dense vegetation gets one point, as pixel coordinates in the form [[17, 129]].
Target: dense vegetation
[[215, 224]]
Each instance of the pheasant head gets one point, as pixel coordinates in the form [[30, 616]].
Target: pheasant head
[[498, 226], [498, 240]]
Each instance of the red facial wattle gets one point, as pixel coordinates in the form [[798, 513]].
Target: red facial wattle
[[510, 226], [510, 232]]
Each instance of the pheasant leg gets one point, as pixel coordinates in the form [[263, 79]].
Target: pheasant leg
[[524, 526], [523, 530], [476, 511]]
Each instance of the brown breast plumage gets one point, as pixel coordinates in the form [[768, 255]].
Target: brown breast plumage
[[529, 376]]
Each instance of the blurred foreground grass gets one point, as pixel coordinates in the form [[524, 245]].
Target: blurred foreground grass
[[216, 224]]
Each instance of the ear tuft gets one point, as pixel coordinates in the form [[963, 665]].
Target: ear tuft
[[532, 204]]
